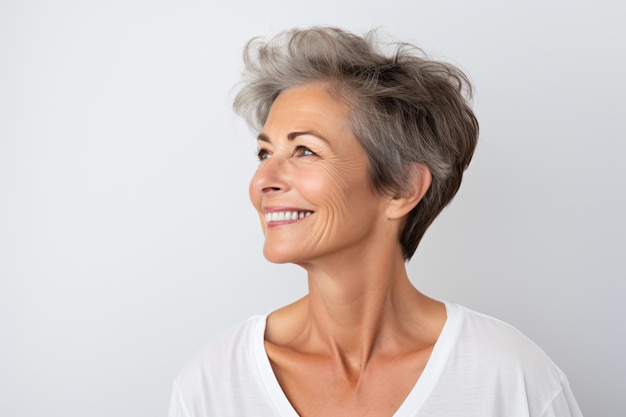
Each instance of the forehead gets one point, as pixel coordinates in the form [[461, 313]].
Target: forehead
[[308, 106]]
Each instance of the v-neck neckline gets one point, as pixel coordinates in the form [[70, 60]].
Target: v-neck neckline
[[413, 401]]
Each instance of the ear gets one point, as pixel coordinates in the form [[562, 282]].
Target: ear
[[420, 180]]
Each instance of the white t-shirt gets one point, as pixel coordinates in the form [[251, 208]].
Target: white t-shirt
[[479, 367]]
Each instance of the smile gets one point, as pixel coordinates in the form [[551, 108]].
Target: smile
[[279, 216]]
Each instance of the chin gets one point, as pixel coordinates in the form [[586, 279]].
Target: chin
[[278, 256]]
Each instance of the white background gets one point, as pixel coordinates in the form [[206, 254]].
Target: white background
[[126, 235]]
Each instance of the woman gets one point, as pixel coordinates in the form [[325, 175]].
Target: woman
[[358, 153]]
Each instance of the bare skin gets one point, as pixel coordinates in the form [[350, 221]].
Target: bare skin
[[359, 341], [353, 357]]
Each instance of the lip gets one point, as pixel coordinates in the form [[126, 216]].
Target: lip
[[286, 209], [272, 209]]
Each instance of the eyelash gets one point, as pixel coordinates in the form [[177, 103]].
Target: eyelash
[[262, 154], [300, 149]]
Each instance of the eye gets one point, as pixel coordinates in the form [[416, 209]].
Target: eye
[[304, 151], [262, 154]]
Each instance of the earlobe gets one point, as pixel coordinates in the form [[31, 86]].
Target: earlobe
[[419, 183]]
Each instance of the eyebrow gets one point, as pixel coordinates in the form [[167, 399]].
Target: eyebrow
[[291, 136]]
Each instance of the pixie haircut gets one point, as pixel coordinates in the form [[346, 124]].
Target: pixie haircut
[[405, 108]]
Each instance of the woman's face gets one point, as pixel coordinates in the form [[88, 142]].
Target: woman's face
[[311, 189]]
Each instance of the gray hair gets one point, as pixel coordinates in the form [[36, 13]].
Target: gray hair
[[405, 108]]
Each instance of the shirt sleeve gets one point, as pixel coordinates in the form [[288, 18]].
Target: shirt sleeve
[[177, 408], [564, 404]]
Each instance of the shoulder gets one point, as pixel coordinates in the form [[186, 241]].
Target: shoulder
[[234, 347], [496, 339], [223, 375], [491, 365], [500, 347]]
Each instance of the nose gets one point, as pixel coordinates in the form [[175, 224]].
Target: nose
[[270, 177]]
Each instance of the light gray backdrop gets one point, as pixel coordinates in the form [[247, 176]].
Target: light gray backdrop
[[126, 235]]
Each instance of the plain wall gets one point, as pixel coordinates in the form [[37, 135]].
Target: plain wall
[[127, 239]]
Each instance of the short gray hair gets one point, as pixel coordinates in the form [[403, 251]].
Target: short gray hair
[[406, 108]]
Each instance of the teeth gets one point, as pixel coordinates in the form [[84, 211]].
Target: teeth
[[277, 216]]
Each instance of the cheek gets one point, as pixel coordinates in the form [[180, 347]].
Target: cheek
[[340, 190], [327, 186]]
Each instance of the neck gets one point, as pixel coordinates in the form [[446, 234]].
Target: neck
[[358, 309]]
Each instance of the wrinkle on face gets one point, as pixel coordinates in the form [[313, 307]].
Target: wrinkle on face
[[334, 183]]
